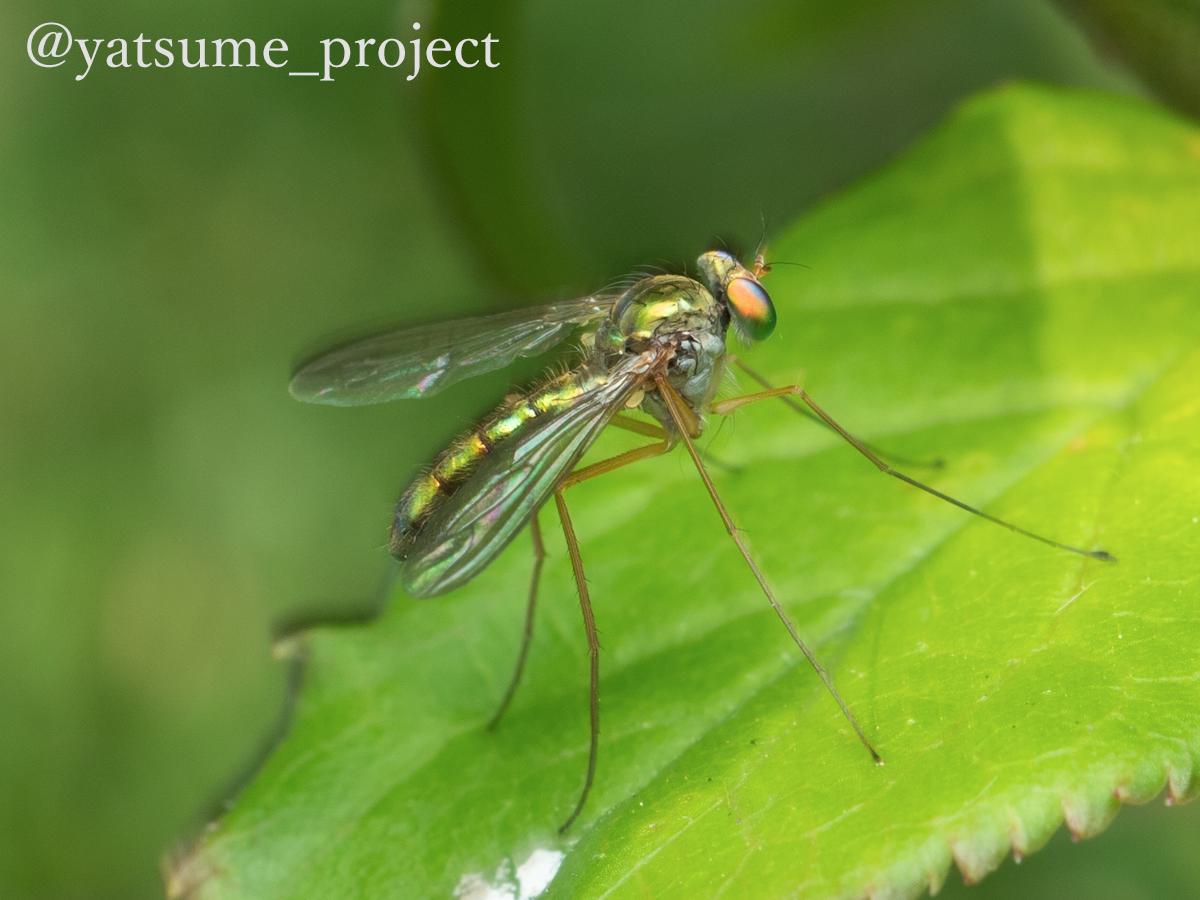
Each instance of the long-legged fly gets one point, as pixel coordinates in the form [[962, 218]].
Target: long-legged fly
[[658, 345]]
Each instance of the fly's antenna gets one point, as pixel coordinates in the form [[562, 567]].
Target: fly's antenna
[[762, 238], [762, 267]]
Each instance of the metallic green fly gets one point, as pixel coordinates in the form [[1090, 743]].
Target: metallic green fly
[[658, 345]]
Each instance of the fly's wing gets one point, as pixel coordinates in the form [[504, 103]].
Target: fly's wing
[[486, 511], [420, 361]]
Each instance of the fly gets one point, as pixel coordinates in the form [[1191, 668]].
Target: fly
[[659, 346]]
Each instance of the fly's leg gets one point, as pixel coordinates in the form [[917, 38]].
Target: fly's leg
[[593, 640], [539, 557], [656, 431], [676, 406], [637, 426], [615, 462], [539, 549], [935, 463], [727, 406], [585, 600]]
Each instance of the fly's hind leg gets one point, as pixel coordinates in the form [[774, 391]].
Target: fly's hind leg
[[585, 601], [539, 557], [593, 642], [539, 548]]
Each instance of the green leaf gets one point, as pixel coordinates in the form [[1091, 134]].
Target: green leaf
[[1019, 295]]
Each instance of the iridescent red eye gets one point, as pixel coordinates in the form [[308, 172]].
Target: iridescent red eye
[[751, 307]]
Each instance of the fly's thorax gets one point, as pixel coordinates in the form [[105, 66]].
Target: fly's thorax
[[658, 307], [680, 313]]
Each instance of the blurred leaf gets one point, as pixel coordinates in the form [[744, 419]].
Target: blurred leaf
[[628, 132], [1017, 294], [1158, 39], [161, 266]]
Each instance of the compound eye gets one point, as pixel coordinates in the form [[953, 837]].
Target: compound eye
[[751, 307]]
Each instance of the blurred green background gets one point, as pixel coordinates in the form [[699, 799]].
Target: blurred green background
[[173, 241]]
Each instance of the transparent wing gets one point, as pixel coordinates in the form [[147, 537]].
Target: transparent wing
[[480, 518], [420, 361]]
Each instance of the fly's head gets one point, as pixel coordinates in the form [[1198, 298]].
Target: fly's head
[[749, 305]]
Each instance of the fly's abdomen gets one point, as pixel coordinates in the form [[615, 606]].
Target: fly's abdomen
[[417, 502], [454, 465]]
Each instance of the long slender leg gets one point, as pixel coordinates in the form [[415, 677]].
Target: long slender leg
[[585, 603], [613, 463], [637, 426], [935, 463], [593, 640], [675, 405], [539, 557], [539, 550], [725, 407]]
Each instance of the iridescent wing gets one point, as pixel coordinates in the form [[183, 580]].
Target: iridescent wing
[[420, 361], [486, 511]]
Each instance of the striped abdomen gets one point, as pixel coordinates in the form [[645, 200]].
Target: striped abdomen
[[453, 467]]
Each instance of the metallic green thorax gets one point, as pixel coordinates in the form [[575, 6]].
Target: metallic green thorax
[[655, 306], [683, 312], [654, 310]]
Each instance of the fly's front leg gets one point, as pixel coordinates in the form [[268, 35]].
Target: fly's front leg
[[725, 407], [728, 406], [785, 396]]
